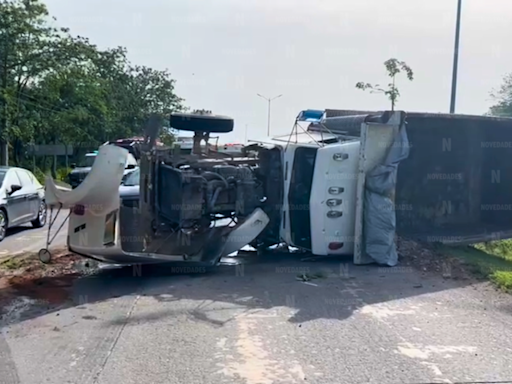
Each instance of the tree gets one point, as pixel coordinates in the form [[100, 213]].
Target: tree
[[393, 68], [503, 98], [167, 137], [152, 92], [29, 48], [59, 88]]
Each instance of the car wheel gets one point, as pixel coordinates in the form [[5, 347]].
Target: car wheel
[[3, 224], [40, 221]]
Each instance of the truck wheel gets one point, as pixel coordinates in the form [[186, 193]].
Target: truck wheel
[[201, 123]]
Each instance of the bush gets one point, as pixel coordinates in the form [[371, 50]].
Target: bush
[[40, 175], [62, 173]]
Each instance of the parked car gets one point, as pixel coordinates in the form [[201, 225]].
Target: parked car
[[21, 199], [80, 171], [129, 189]]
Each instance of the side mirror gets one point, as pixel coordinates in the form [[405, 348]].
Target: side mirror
[[130, 166], [73, 165], [14, 188]]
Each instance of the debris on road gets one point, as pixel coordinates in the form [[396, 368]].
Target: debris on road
[[16, 308], [308, 276], [429, 258], [25, 276]]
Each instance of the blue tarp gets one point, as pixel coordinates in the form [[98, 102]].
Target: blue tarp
[[310, 115], [379, 206]]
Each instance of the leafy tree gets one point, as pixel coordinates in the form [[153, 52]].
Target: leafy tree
[[152, 92], [58, 88], [503, 97], [393, 68], [29, 47], [166, 137]]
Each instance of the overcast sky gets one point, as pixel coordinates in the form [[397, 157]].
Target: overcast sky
[[223, 52]]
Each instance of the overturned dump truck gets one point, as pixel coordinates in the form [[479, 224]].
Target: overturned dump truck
[[329, 187], [306, 189]]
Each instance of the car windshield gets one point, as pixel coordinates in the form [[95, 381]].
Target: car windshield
[[132, 179], [87, 161], [2, 175]]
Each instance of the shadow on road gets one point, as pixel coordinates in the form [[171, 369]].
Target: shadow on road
[[333, 288], [17, 230]]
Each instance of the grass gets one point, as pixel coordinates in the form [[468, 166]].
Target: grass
[[14, 263], [61, 175], [491, 260]]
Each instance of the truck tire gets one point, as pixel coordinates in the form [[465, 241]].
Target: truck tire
[[201, 123]]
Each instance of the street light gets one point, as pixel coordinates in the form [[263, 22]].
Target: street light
[[456, 58], [269, 101]]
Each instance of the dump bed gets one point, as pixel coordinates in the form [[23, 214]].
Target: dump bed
[[456, 185]]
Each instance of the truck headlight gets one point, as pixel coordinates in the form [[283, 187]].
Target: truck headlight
[[333, 202], [336, 190], [334, 214]]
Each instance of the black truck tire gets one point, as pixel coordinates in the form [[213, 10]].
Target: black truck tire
[[201, 123]]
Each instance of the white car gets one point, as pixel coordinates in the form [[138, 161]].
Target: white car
[[21, 199], [80, 171]]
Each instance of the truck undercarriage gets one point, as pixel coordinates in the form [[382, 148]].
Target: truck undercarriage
[[190, 204]]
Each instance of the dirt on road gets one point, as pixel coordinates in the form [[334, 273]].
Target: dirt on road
[[428, 258], [24, 275]]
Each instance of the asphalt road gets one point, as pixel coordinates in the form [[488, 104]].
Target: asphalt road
[[258, 324], [29, 239]]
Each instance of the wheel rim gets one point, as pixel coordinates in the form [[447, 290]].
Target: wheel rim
[[42, 213], [3, 225]]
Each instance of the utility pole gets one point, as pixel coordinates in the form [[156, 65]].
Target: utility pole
[[269, 100], [456, 58], [245, 140]]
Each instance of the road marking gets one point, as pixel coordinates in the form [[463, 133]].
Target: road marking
[[382, 310], [255, 365], [424, 352], [434, 368]]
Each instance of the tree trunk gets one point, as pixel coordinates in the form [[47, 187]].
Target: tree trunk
[[4, 152], [17, 150], [4, 144]]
